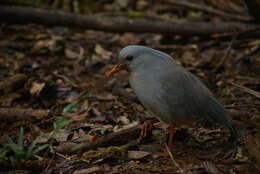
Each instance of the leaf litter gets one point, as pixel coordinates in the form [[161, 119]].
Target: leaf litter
[[65, 74]]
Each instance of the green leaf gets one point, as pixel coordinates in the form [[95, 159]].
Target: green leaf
[[20, 139], [3, 152], [8, 139], [242, 159], [61, 123], [40, 148], [70, 107], [33, 144], [13, 147], [20, 156], [195, 14], [136, 14]]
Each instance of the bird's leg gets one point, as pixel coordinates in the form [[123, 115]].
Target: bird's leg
[[147, 126], [172, 131]]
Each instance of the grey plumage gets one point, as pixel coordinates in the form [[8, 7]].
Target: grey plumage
[[169, 91]]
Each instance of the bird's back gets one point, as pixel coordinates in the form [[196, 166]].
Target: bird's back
[[173, 94]]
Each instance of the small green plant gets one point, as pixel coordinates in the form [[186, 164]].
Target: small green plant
[[17, 152], [58, 125], [242, 159], [195, 14], [71, 107]]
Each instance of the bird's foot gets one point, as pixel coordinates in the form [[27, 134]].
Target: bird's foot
[[160, 125], [147, 127], [172, 131]]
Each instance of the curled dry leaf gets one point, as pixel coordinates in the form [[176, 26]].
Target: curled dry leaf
[[36, 88], [138, 154], [70, 54], [43, 44], [102, 52], [252, 145], [87, 171], [123, 119], [61, 135], [118, 129], [74, 54]]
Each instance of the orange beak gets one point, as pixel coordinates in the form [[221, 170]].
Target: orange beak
[[116, 68]]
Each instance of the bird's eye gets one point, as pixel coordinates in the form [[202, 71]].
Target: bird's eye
[[129, 58]]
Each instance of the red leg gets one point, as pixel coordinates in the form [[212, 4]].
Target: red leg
[[172, 131]]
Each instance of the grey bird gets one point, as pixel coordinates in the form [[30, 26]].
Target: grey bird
[[168, 91]]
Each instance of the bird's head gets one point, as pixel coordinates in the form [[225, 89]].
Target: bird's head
[[136, 57]]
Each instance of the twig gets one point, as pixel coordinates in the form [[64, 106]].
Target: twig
[[63, 156], [209, 10], [173, 160], [14, 114], [174, 47], [115, 138], [243, 105], [223, 59], [247, 90], [33, 165], [119, 23]]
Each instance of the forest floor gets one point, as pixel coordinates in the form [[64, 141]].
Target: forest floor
[[53, 88]]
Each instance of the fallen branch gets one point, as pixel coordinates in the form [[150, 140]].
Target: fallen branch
[[32, 165], [113, 139], [209, 10], [14, 82], [14, 114], [120, 24], [257, 105], [244, 117], [224, 58], [247, 90]]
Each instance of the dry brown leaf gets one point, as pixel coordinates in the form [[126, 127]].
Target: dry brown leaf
[[43, 44], [129, 39], [102, 52], [123, 119], [74, 53], [137, 154], [61, 135], [253, 145], [87, 171], [36, 88], [132, 124], [71, 54], [106, 97]]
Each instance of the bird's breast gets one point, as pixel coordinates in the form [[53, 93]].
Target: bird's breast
[[149, 92]]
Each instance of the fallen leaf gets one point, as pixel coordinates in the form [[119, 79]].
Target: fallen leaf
[[71, 54], [36, 88], [123, 119], [252, 145], [118, 129], [87, 171], [106, 97], [102, 52], [61, 135], [137, 154], [210, 167]]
